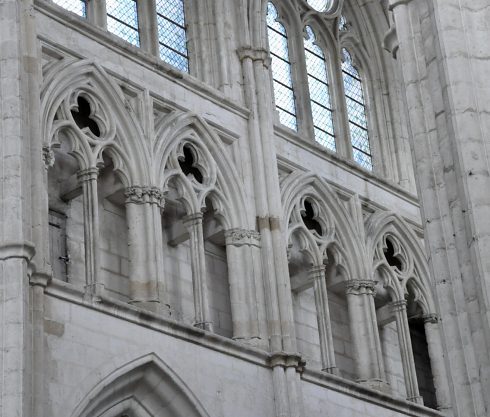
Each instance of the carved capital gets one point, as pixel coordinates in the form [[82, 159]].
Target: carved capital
[[41, 279], [259, 54], [361, 286], [431, 318], [144, 195], [240, 237], [48, 157], [399, 305], [89, 174]]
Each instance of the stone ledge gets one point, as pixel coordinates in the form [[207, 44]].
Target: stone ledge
[[124, 311], [364, 393]]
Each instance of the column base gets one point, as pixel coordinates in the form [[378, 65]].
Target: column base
[[418, 399], [376, 384], [333, 370], [94, 292], [204, 326]]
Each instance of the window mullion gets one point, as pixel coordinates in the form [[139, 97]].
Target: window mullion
[[96, 13], [344, 145], [303, 104], [148, 26]]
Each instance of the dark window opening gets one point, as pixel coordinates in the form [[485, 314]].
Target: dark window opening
[[421, 357], [389, 253], [187, 162], [82, 116], [308, 218]]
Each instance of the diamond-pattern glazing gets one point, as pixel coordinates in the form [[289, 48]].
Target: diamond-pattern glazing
[[172, 35], [78, 7], [319, 91], [122, 20], [281, 69], [356, 112], [364, 160], [324, 139]]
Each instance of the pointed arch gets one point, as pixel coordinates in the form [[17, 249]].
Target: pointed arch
[[143, 387], [122, 136], [224, 186], [298, 184], [417, 277]]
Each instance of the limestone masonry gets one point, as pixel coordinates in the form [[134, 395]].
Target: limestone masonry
[[247, 208]]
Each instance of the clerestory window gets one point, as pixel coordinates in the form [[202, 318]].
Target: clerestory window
[[122, 20], [356, 112], [78, 7], [321, 106], [172, 37], [319, 115], [281, 69]]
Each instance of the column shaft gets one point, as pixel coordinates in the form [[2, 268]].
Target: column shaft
[[364, 333], [88, 179], [144, 259], [193, 222], [317, 274]]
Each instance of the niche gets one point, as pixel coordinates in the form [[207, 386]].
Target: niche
[[66, 230], [339, 316], [217, 272], [113, 232]]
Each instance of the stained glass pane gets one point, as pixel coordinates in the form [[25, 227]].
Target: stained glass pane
[[356, 112], [281, 69], [172, 35], [78, 7], [122, 20], [321, 108]]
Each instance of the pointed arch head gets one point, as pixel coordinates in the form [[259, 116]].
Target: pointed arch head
[[220, 179], [144, 387], [339, 231], [119, 134], [414, 275]]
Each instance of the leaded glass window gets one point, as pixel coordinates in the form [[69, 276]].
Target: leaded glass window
[[78, 7], [172, 33], [356, 112], [343, 23], [122, 20], [319, 5], [321, 107], [281, 69]]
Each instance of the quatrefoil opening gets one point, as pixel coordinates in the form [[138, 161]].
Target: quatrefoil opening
[[83, 116], [188, 163]]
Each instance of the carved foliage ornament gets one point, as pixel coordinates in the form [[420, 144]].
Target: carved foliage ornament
[[144, 195]]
